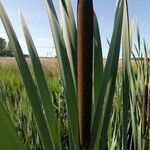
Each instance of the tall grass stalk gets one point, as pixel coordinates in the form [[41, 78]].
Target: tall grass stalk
[[144, 109]]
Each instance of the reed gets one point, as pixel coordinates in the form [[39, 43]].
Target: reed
[[101, 103]]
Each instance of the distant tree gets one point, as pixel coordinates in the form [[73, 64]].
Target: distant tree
[[3, 45], [8, 50], [5, 48]]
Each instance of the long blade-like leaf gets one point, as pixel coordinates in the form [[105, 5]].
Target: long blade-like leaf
[[69, 35], [68, 81], [104, 106], [28, 81], [8, 135], [97, 61], [43, 88], [125, 73]]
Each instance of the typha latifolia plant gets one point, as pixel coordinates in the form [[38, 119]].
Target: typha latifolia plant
[[89, 86]]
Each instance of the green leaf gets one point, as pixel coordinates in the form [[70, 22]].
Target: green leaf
[[125, 73], [65, 70], [8, 135], [97, 61], [107, 88], [43, 88], [97, 64], [69, 35], [28, 81]]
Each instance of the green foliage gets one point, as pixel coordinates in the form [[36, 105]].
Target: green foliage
[[44, 110], [5, 49], [2, 45], [14, 98]]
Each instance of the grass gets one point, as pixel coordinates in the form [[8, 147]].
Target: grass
[[50, 65], [14, 98]]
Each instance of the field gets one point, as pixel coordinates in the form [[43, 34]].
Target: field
[[14, 97], [49, 64]]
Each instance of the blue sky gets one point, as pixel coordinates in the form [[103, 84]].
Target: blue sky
[[36, 18]]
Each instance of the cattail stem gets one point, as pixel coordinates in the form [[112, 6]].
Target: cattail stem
[[144, 109], [85, 58]]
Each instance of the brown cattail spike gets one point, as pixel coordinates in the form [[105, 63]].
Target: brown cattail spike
[[85, 58], [144, 109]]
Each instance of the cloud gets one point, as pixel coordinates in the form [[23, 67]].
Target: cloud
[[45, 47], [4, 35]]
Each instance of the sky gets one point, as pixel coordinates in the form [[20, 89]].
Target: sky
[[36, 18]]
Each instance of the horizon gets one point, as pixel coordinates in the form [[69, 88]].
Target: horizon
[[37, 21]]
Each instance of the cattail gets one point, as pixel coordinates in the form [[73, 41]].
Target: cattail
[[144, 109], [85, 58]]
